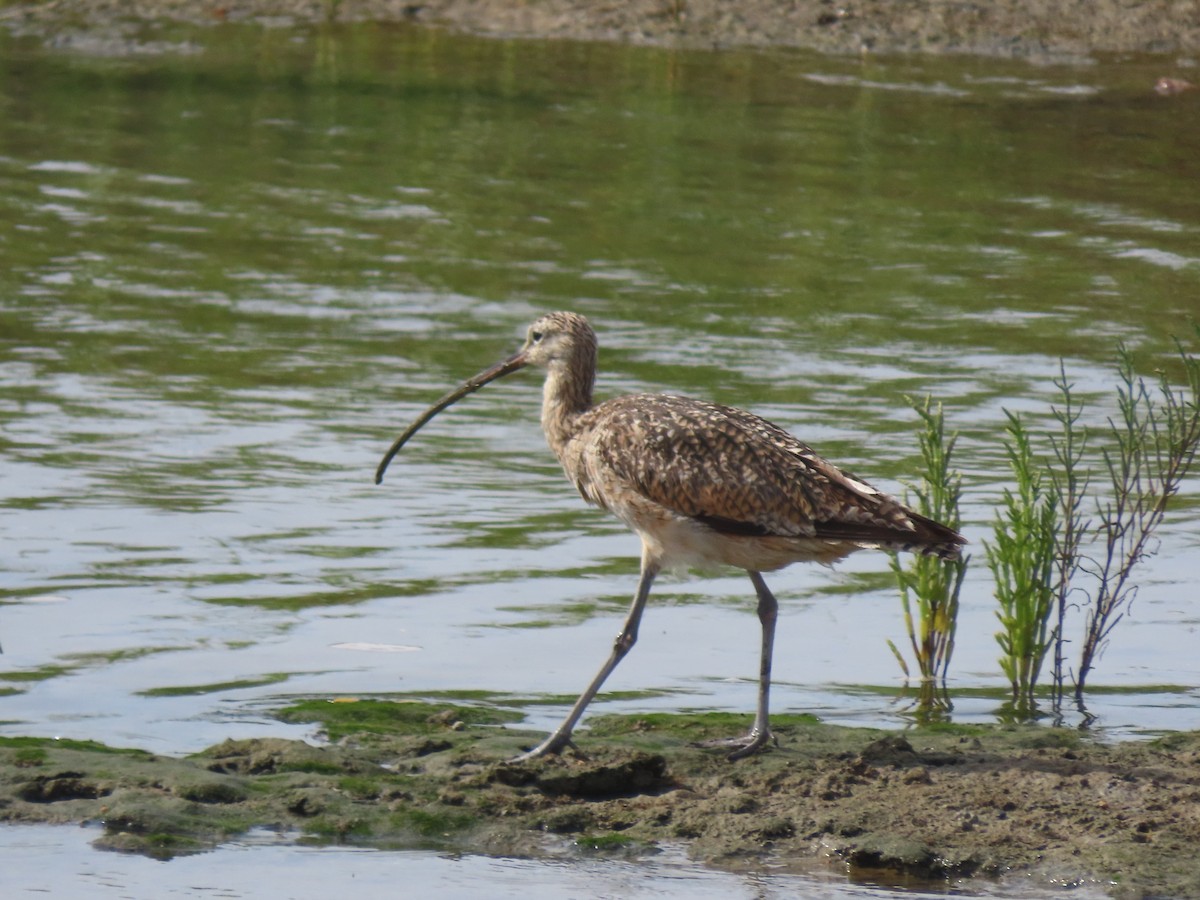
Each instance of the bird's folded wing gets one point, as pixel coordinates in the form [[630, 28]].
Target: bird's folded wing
[[732, 471]]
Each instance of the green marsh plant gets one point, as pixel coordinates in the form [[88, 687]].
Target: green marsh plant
[[1049, 557], [1022, 559], [1155, 440], [1070, 480], [929, 587]]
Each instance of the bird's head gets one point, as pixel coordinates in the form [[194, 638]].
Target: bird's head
[[559, 339], [562, 343]]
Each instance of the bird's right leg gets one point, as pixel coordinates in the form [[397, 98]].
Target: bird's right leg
[[760, 733], [626, 639]]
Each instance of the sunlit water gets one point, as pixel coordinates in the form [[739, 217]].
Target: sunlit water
[[231, 275]]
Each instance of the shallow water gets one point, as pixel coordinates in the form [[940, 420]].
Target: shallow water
[[54, 860], [231, 275]]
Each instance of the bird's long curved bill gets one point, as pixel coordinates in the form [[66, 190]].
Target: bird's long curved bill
[[499, 370]]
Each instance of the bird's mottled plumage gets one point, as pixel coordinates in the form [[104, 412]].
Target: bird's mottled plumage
[[653, 457], [738, 475], [701, 484]]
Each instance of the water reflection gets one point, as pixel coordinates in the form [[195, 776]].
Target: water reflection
[[45, 859]]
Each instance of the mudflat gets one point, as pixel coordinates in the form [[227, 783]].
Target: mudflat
[[1036, 805]]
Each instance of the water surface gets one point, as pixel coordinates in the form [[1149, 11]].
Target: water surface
[[54, 860], [231, 275]]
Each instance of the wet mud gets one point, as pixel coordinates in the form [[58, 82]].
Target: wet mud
[[1033, 805]]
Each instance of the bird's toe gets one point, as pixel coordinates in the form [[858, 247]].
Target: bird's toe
[[743, 746], [552, 746]]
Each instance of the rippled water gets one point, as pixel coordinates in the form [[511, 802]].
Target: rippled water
[[231, 275]]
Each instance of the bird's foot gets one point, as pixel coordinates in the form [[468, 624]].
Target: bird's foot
[[741, 747], [554, 744]]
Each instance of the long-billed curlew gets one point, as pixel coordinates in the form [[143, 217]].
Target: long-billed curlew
[[700, 484]]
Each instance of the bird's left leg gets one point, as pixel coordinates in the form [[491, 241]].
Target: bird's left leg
[[625, 640], [760, 732]]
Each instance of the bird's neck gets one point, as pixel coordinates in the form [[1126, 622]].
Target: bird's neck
[[566, 395]]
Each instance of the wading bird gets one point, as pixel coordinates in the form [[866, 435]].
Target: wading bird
[[701, 485]]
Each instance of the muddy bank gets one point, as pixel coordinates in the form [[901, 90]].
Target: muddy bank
[[1037, 29], [1046, 806]]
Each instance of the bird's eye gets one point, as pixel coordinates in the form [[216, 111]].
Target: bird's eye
[[535, 336]]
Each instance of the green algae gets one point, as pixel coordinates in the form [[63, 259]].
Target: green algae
[[46, 744], [339, 717], [432, 822], [215, 687], [693, 726], [41, 673]]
